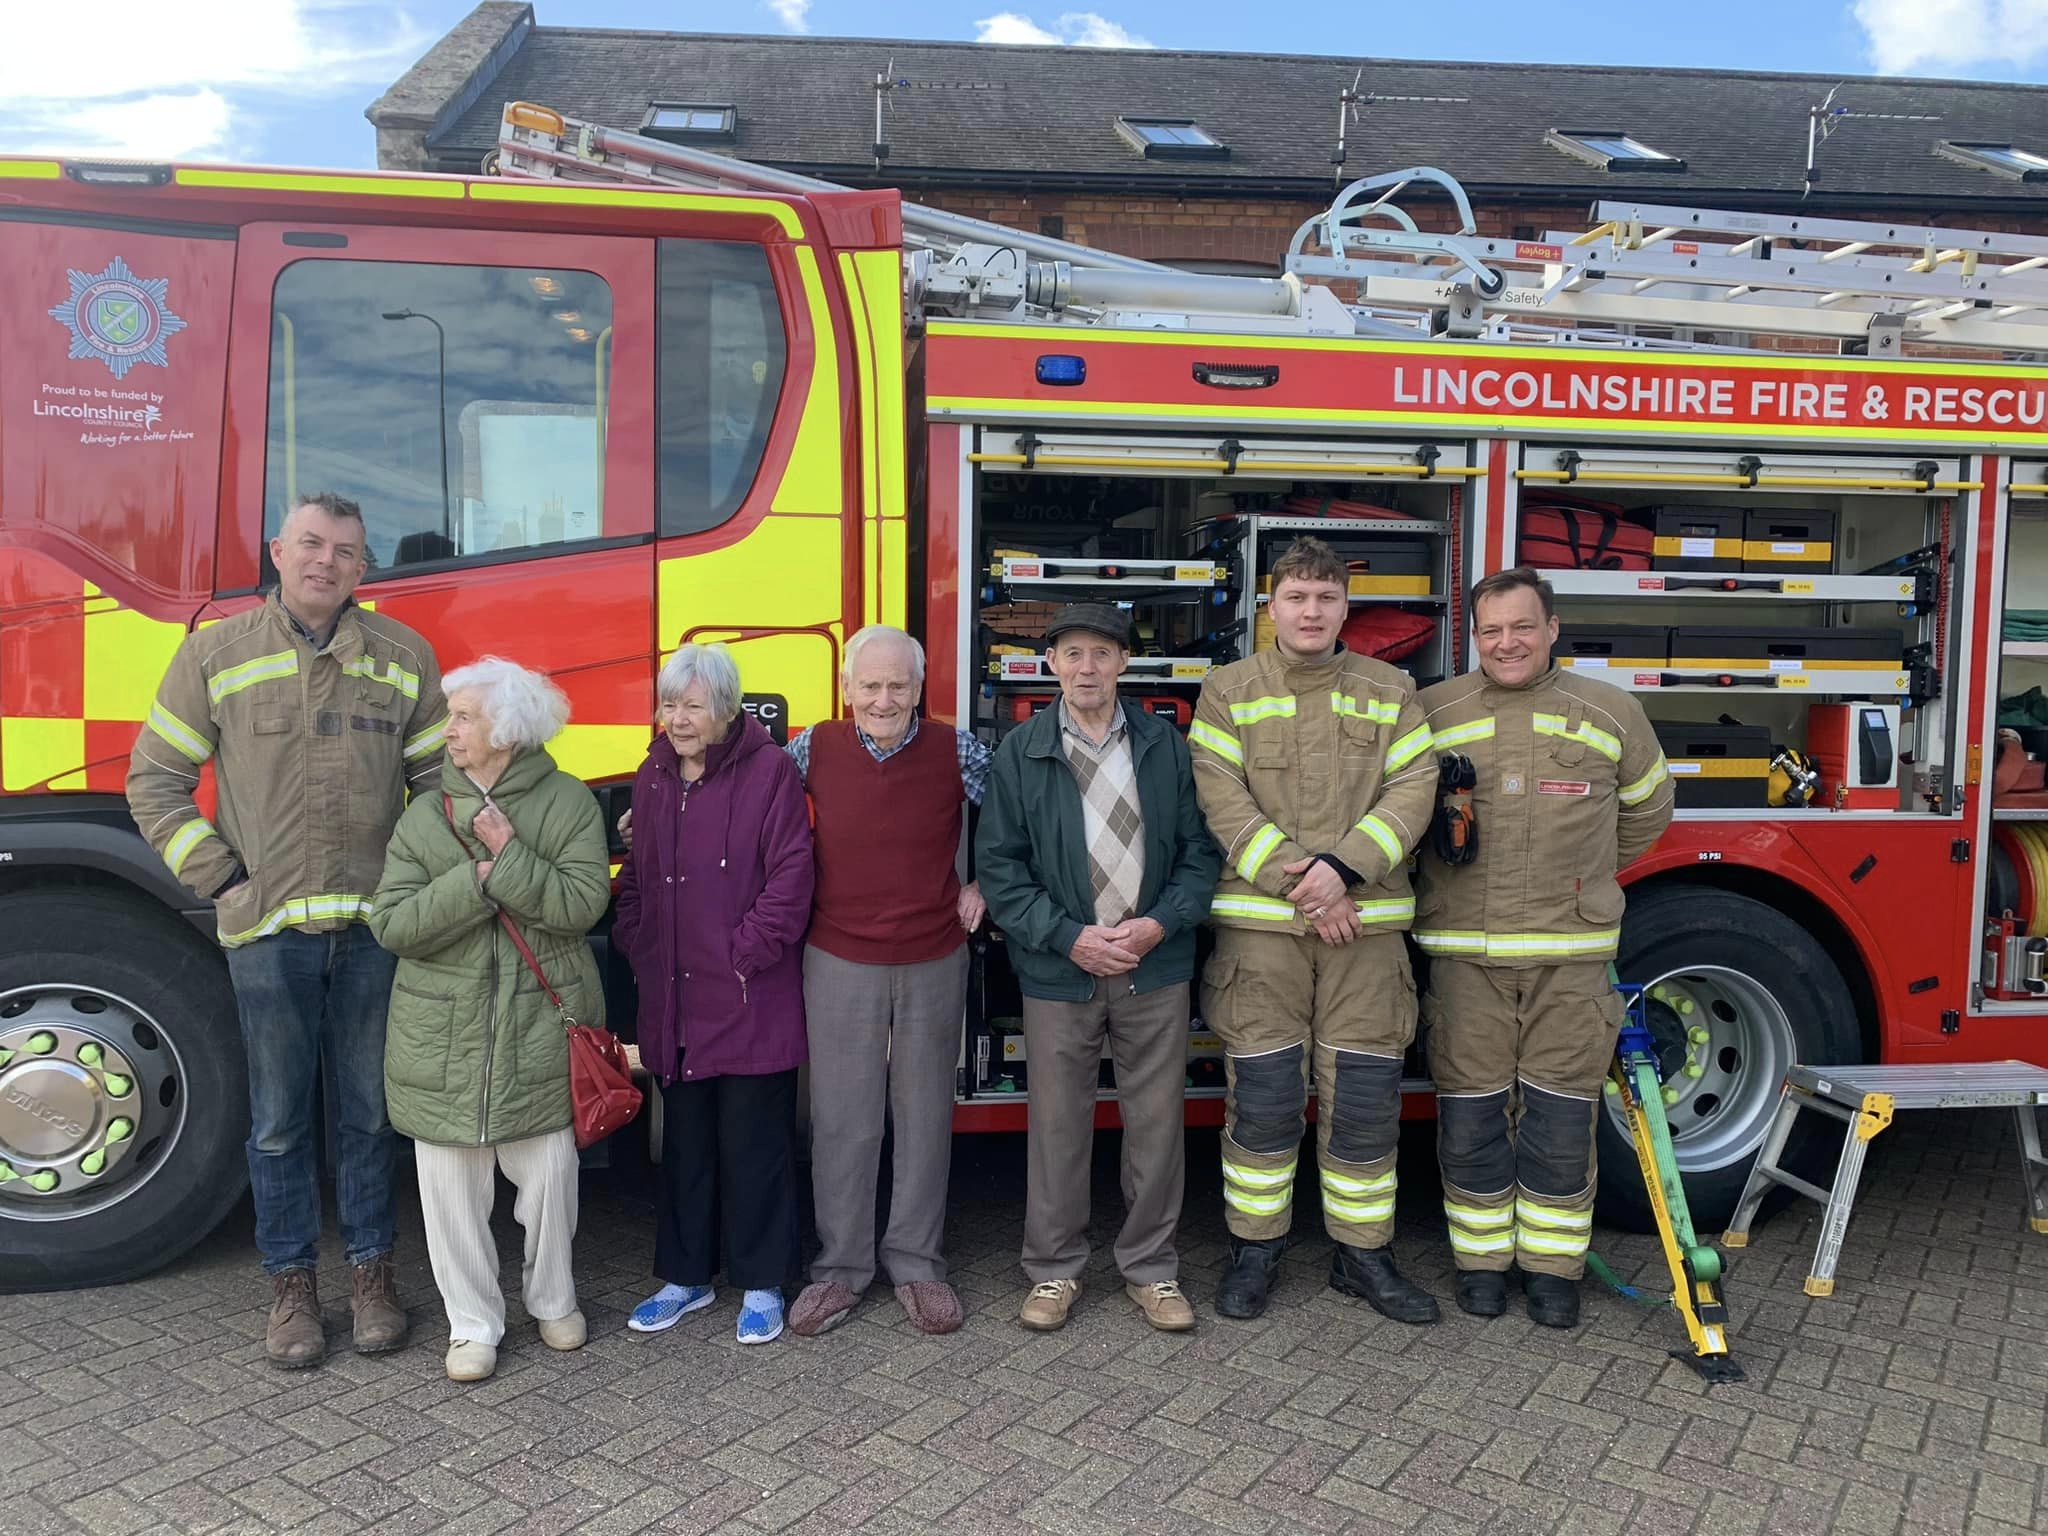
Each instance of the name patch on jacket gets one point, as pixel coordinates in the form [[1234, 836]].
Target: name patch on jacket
[[372, 723], [1563, 787]]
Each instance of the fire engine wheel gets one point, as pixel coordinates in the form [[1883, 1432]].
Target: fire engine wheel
[[1736, 992], [123, 1100]]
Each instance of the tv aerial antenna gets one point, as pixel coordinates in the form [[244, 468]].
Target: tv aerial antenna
[[1350, 98], [1824, 118]]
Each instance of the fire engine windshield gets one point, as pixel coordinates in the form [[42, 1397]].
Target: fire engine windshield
[[463, 406]]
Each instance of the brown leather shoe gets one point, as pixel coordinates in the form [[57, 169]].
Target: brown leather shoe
[[295, 1339], [932, 1305], [381, 1322], [1047, 1306], [1164, 1306]]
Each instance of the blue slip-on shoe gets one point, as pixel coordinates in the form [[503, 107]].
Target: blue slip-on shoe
[[761, 1317], [667, 1307]]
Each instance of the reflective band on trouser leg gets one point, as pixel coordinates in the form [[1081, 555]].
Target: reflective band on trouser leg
[[1482, 1227], [1258, 1192], [1551, 1238], [1265, 1113], [1478, 1165], [1358, 1202], [1554, 1184]]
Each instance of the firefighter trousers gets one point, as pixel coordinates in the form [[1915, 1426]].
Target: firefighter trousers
[[1286, 1006], [1518, 1055]]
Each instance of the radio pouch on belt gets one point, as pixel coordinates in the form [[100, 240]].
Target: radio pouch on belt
[[1455, 828]]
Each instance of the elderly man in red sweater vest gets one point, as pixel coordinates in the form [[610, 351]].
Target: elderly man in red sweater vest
[[885, 979]]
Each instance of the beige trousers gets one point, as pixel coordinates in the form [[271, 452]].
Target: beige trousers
[[457, 1190]]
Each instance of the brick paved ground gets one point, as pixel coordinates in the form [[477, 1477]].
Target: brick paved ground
[[1912, 1401]]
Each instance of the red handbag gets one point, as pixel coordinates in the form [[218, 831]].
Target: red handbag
[[602, 1095]]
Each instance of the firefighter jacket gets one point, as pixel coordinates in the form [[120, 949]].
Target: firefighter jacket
[[1571, 787], [313, 752], [1296, 759]]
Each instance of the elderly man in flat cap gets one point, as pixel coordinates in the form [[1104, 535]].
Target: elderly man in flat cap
[[1097, 865]]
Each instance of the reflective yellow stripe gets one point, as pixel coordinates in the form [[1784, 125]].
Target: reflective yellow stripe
[[490, 191], [1270, 708], [31, 170], [1222, 743], [1256, 1205], [1543, 1242], [1466, 1242], [1371, 825], [179, 734], [1480, 1218], [256, 670], [1261, 1178], [184, 840], [1409, 747], [1258, 850], [1471, 730], [303, 909], [1553, 1216], [1607, 746], [354, 186], [1344, 1184], [1263, 908], [427, 741], [1361, 1213], [1516, 946], [1643, 788], [1398, 910], [1380, 711], [811, 482], [393, 675]]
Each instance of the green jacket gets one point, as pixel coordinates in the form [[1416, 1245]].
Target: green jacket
[[474, 1052], [1031, 856]]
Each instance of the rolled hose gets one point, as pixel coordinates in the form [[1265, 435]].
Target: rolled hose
[[2021, 887]]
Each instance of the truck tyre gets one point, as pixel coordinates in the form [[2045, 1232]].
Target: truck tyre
[[124, 1100], [1738, 992]]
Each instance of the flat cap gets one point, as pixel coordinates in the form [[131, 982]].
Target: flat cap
[[1097, 618]]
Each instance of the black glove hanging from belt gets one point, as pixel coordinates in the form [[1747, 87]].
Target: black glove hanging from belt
[[1455, 828]]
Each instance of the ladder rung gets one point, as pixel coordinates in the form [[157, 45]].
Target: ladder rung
[[1794, 1182]]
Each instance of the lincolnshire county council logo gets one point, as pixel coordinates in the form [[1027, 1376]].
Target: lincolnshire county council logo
[[117, 317]]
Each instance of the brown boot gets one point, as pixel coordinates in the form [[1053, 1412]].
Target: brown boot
[[381, 1322], [295, 1339]]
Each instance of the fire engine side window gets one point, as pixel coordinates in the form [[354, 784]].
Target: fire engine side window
[[721, 362], [464, 407]]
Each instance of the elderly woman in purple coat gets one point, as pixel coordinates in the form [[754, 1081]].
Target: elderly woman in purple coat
[[712, 905]]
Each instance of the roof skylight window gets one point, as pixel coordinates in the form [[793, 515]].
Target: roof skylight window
[[1170, 138], [667, 119], [1612, 150], [2000, 159]]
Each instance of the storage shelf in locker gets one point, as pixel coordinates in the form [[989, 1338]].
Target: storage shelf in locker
[[2027, 650], [1340, 527], [1360, 599], [1732, 585], [1877, 685], [1142, 669], [2019, 813], [1047, 575]]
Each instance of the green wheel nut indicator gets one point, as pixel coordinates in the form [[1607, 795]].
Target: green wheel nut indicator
[[117, 1086], [120, 1130], [42, 1043], [90, 1054], [92, 1164], [43, 1180]]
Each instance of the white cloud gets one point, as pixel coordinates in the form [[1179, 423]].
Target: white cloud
[[793, 14], [164, 83], [1932, 36], [1080, 29]]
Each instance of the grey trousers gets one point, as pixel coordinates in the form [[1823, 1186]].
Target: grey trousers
[[883, 1038], [1148, 1042]]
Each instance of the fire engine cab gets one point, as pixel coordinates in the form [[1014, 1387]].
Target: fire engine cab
[[1788, 477]]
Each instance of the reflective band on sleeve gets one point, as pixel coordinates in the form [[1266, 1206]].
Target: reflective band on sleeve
[[1380, 711], [1381, 833], [1517, 946], [1409, 747], [304, 909], [1222, 743], [1246, 711], [426, 741], [1258, 850], [245, 673], [1398, 910], [1646, 786], [1264, 908], [393, 675], [184, 840], [1600, 741], [1471, 730], [179, 734]]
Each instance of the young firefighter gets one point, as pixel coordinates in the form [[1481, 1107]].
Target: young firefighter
[[1314, 770], [1570, 787]]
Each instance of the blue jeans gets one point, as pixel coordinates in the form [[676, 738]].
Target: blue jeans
[[308, 999]]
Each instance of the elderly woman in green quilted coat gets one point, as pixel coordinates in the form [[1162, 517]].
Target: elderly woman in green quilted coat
[[476, 1060]]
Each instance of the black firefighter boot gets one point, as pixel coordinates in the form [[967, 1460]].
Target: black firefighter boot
[[1369, 1274], [1254, 1266], [1482, 1292], [1553, 1300]]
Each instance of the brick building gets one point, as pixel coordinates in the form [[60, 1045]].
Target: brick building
[[1212, 160]]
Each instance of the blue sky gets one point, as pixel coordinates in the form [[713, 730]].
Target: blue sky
[[286, 81]]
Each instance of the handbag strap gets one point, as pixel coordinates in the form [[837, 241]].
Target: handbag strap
[[512, 929]]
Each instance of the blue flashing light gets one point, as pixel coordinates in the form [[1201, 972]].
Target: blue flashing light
[[1062, 368]]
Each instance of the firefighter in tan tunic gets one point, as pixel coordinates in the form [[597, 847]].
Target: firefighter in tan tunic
[[1570, 786], [1314, 770]]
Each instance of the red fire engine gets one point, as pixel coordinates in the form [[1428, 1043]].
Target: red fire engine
[[622, 394]]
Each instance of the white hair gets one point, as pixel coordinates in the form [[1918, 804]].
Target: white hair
[[524, 708], [863, 638], [711, 665]]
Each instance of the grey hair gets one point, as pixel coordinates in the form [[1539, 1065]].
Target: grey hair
[[711, 665], [524, 708], [863, 638]]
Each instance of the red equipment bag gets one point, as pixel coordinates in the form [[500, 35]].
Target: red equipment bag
[[1566, 534], [1386, 633]]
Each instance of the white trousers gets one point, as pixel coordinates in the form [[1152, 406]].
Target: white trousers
[[456, 1194]]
